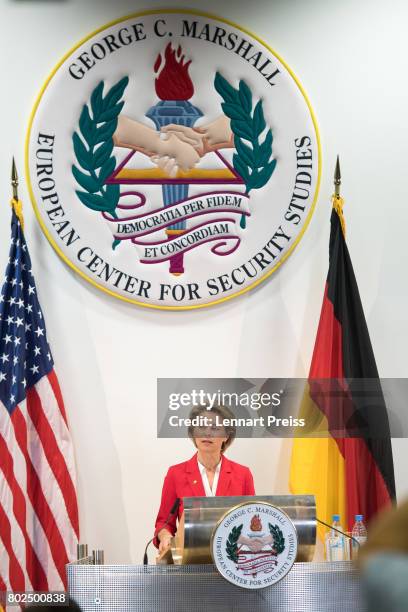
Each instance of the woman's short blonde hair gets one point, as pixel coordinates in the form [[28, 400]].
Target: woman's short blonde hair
[[221, 411]]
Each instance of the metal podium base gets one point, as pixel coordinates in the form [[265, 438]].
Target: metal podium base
[[309, 587]]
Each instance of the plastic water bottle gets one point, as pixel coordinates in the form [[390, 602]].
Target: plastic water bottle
[[359, 533], [335, 542]]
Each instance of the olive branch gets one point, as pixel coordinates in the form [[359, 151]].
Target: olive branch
[[278, 539], [93, 147], [231, 545], [253, 163]]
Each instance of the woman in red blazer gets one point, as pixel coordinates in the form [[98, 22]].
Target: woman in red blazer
[[208, 472]]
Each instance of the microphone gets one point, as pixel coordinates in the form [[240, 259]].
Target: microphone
[[172, 512], [350, 537]]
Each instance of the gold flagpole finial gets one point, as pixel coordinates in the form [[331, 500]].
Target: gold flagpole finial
[[337, 200], [15, 202], [14, 180], [337, 178]]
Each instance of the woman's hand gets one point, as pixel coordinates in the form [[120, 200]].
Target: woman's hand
[[164, 540]]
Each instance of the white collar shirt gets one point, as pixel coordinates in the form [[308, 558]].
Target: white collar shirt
[[209, 491]]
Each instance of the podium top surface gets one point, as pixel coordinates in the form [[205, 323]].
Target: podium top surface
[[202, 514]]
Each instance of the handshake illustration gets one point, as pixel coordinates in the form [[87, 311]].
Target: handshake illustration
[[256, 544], [175, 146]]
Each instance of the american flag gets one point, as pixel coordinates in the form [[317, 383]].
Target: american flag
[[38, 505]]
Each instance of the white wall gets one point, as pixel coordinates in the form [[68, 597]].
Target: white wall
[[352, 60]]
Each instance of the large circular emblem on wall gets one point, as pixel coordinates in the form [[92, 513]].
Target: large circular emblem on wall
[[173, 159], [254, 545]]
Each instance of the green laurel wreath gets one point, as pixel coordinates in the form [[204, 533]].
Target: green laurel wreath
[[278, 539], [93, 147], [253, 162], [231, 546]]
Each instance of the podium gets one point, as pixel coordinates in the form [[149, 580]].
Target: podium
[[193, 584]]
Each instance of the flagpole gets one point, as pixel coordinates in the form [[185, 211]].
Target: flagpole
[[16, 203]]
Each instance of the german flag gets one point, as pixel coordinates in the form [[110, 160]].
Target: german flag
[[354, 474]]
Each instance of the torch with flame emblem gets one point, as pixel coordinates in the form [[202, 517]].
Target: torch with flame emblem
[[256, 524], [174, 88]]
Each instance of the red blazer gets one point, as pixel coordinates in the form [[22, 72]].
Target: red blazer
[[184, 480]]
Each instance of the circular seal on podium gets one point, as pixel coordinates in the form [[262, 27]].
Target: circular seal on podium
[[254, 545]]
